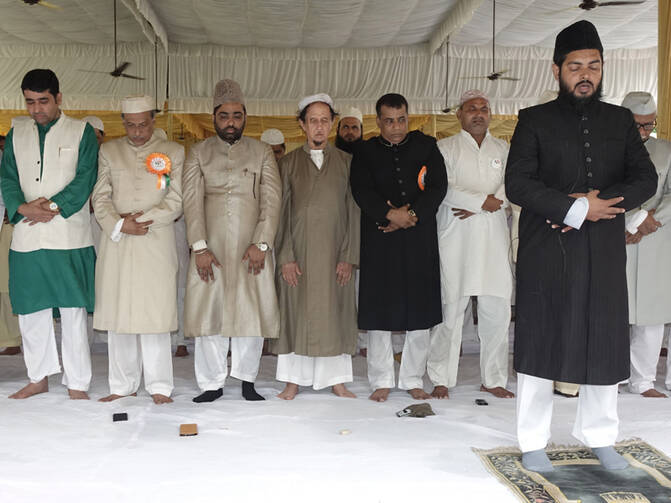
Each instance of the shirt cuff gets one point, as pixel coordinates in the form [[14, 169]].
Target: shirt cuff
[[201, 244], [577, 213], [116, 233], [631, 224]]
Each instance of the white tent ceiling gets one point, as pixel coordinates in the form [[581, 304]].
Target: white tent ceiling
[[281, 49]]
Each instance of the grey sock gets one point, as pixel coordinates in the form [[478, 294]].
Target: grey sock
[[609, 458], [537, 461]]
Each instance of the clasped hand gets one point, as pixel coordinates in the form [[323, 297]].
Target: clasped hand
[[399, 218], [599, 209], [37, 211]]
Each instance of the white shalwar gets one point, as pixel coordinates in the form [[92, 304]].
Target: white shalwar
[[596, 421], [40, 352], [381, 359], [128, 358], [211, 359], [645, 343], [474, 259], [317, 371]]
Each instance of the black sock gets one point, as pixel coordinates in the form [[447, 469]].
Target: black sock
[[249, 393], [209, 395]]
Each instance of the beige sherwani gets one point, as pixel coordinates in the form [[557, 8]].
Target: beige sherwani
[[136, 277], [232, 196], [319, 228]]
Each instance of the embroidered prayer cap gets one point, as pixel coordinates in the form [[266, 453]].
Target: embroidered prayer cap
[[547, 96], [272, 136], [640, 103], [137, 104], [227, 91], [309, 100], [352, 112], [578, 36], [471, 95], [95, 122]]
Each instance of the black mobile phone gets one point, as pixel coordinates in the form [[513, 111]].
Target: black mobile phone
[[480, 401], [120, 416]]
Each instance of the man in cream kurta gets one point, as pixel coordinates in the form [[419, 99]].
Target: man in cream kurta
[[474, 243], [317, 249], [648, 250], [48, 171], [136, 201], [232, 197]]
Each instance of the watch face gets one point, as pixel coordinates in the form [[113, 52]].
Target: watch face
[[53, 206], [262, 246]]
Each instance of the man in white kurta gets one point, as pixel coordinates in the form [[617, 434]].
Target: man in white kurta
[[232, 196], [474, 243], [136, 201], [648, 240]]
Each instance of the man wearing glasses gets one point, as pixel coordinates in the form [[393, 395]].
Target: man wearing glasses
[[648, 246]]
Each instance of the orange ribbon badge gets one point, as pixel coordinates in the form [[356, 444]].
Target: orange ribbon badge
[[421, 178], [159, 164]]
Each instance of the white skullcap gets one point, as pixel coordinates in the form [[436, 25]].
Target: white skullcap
[[95, 122], [352, 112], [547, 96], [471, 95], [137, 104], [309, 100], [272, 136], [640, 103]]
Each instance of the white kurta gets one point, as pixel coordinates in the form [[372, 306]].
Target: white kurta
[[474, 252]]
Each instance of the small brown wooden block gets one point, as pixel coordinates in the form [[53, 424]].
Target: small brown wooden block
[[188, 430]]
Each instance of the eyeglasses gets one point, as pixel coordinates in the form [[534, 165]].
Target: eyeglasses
[[648, 126]]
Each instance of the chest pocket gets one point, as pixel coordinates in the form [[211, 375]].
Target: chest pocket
[[249, 182]]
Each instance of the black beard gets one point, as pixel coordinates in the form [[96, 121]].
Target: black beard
[[579, 103], [229, 137], [347, 146]]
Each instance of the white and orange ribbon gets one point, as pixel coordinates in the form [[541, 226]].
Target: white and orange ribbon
[[159, 164], [421, 178]]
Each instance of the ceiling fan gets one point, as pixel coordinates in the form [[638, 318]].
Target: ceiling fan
[[496, 74], [119, 69], [592, 4], [42, 3], [448, 108]]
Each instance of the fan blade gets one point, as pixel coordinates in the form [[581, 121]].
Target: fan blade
[[508, 78], [474, 77], [120, 69], [501, 72], [93, 71], [131, 76], [611, 4], [50, 5]]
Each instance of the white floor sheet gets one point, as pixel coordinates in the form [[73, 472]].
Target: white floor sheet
[[57, 450]]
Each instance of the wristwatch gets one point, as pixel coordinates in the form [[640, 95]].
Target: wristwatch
[[262, 246], [53, 206], [412, 213]]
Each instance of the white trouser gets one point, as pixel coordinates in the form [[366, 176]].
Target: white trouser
[[39, 346], [646, 342], [493, 323], [381, 359], [211, 359], [317, 371], [129, 354], [596, 421]]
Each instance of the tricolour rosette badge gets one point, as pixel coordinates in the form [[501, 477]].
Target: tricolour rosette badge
[[421, 178], [159, 164]]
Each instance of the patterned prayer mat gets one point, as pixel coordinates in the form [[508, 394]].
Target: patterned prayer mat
[[579, 477]]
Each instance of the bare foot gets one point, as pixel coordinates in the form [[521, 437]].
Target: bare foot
[[160, 399], [498, 392], [77, 394], [342, 391], [653, 393], [380, 395], [31, 389], [112, 397], [13, 350], [440, 392], [181, 351], [419, 394], [290, 391]]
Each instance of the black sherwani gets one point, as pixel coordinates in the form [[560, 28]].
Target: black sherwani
[[571, 312], [399, 286]]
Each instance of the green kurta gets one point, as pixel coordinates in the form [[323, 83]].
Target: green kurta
[[44, 278]]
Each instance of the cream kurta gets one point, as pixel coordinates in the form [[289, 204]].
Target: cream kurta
[[136, 277], [648, 264], [474, 252], [232, 196], [319, 228]]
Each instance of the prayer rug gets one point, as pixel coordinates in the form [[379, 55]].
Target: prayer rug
[[578, 476]]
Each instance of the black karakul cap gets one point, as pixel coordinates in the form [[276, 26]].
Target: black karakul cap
[[578, 36]]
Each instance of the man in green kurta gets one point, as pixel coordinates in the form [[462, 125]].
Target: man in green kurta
[[48, 170]]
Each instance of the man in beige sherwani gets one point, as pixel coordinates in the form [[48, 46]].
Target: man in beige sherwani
[[136, 200], [317, 248], [232, 195]]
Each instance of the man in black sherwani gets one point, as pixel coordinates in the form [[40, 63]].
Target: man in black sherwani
[[575, 165], [398, 180]]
